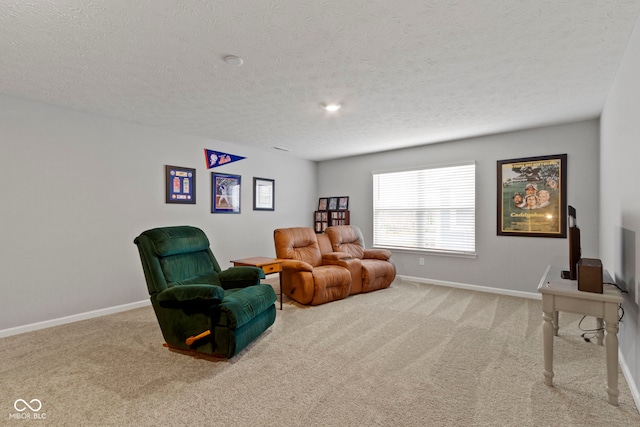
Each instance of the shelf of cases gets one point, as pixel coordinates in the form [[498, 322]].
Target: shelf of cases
[[324, 219]]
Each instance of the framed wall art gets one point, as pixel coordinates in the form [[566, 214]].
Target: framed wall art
[[323, 203], [180, 184], [343, 203], [264, 191], [225, 193], [532, 196], [333, 203]]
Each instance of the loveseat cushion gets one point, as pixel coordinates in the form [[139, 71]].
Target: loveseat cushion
[[298, 243], [346, 238]]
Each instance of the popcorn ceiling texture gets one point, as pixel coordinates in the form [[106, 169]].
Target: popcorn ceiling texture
[[407, 72]]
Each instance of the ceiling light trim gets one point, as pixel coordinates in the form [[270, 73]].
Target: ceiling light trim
[[233, 60]]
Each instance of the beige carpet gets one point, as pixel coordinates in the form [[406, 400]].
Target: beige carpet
[[410, 355]]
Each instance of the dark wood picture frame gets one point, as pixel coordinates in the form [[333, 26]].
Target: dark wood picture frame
[[333, 203], [225, 193], [532, 196], [343, 203], [323, 203], [180, 185], [264, 193]]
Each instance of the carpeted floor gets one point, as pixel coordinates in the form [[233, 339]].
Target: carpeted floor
[[410, 355]]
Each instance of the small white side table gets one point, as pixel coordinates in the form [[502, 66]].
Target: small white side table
[[560, 294]]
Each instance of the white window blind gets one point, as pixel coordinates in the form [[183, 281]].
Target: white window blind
[[431, 209]]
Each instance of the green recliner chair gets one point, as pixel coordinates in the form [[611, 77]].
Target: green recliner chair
[[200, 307]]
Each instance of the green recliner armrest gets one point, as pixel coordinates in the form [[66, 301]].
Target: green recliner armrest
[[240, 277], [240, 306], [190, 295]]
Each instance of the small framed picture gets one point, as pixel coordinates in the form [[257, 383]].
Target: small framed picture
[[322, 204], [225, 193], [264, 194], [343, 203], [180, 185], [333, 203]]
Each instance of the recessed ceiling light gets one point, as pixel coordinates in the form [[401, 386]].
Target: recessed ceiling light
[[233, 60], [332, 107]]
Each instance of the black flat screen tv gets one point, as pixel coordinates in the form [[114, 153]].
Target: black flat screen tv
[[575, 251]]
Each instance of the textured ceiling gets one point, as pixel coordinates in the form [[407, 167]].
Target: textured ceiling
[[407, 72]]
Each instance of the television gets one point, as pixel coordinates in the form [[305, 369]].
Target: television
[[575, 251]]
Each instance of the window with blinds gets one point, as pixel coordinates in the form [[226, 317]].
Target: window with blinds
[[431, 209]]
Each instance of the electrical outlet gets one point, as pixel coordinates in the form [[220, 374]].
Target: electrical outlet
[[421, 261]]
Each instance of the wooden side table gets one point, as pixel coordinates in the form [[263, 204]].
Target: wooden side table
[[563, 295], [268, 265]]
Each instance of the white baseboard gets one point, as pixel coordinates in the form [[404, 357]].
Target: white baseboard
[[531, 295], [73, 318], [633, 387]]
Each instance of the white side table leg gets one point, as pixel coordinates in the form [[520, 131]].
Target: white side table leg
[[548, 331], [611, 343]]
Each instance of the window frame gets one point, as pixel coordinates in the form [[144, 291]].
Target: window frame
[[466, 253]]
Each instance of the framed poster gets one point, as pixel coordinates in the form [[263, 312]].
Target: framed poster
[[225, 193], [180, 184], [323, 203], [264, 194], [532, 196]]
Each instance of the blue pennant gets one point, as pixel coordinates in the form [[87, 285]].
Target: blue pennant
[[218, 158]]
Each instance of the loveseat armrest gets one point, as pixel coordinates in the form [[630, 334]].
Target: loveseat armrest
[[294, 265], [191, 295], [334, 256], [343, 259], [383, 254], [350, 263], [240, 277]]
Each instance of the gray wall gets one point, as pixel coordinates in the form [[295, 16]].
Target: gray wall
[[78, 188], [620, 205], [511, 263]]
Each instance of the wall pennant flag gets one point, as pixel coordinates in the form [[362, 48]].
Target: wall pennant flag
[[217, 158]]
